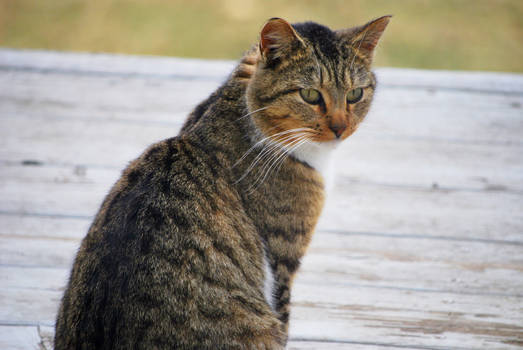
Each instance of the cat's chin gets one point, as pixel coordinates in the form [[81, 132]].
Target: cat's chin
[[319, 155]]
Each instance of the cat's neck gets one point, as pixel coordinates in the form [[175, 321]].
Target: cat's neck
[[224, 116], [227, 103], [319, 156]]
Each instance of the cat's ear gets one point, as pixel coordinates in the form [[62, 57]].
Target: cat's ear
[[366, 37], [276, 38]]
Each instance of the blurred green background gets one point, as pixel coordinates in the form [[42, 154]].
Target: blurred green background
[[433, 34]]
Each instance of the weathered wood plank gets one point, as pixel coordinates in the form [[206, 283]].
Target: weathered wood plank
[[352, 314], [127, 100], [36, 226], [440, 212], [87, 141], [31, 252], [373, 159], [79, 64], [41, 338], [436, 320], [333, 259], [378, 262], [369, 155], [458, 116], [28, 307], [47, 337], [303, 345], [20, 338], [51, 278], [481, 82], [125, 65], [451, 213], [421, 242]]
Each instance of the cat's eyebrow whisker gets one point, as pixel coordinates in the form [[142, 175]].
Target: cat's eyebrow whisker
[[248, 114]]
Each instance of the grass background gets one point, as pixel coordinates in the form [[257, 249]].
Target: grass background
[[433, 34]]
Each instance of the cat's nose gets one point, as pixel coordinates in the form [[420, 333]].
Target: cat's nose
[[338, 129]]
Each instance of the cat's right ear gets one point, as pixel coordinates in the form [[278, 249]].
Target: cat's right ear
[[276, 38], [366, 37]]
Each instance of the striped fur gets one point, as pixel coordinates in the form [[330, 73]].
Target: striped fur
[[181, 249]]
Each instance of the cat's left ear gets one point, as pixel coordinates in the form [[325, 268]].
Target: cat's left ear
[[277, 38], [366, 37]]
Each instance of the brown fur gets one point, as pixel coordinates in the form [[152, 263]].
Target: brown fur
[[174, 257]]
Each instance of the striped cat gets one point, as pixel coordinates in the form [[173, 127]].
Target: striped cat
[[196, 246]]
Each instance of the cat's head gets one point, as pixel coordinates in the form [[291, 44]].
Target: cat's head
[[311, 82]]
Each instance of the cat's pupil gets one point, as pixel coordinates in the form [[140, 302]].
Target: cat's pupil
[[354, 95], [311, 96]]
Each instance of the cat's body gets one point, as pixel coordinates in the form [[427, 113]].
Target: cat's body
[[196, 246]]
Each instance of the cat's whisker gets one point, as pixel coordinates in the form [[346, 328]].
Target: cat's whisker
[[270, 137], [250, 113], [283, 154], [278, 150], [306, 140], [276, 165], [273, 142], [266, 151], [273, 145], [274, 159], [302, 135]]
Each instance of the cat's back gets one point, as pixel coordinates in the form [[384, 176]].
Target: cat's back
[[171, 252]]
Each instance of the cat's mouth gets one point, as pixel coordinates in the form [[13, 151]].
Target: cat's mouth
[[333, 136]]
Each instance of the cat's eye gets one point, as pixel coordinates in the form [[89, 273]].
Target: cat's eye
[[311, 96], [354, 95]]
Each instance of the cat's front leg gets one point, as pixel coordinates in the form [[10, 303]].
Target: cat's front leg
[[279, 276]]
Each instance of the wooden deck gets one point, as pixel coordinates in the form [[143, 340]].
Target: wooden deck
[[420, 245]]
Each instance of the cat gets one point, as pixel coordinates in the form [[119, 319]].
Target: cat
[[197, 244]]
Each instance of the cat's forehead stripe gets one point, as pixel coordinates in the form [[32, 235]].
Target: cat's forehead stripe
[[335, 59], [326, 70]]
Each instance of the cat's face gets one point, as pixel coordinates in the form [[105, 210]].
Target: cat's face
[[312, 83]]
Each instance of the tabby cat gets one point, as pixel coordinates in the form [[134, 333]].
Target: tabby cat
[[196, 246]]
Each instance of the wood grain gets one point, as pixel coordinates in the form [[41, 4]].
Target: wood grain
[[421, 242]]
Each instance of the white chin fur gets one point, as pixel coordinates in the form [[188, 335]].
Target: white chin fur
[[319, 156]]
